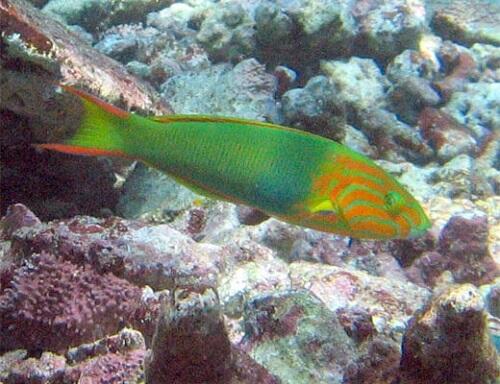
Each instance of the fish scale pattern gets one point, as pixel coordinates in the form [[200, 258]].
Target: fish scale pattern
[[52, 304]]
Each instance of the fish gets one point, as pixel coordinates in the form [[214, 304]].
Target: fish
[[292, 175]]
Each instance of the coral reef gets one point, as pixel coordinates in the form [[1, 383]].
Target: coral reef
[[61, 305], [271, 299], [188, 289]]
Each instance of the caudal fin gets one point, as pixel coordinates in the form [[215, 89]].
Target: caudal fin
[[100, 132]]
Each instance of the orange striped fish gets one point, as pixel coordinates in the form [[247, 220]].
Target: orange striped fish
[[295, 176]]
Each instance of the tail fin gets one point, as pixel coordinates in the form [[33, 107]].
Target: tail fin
[[100, 132]]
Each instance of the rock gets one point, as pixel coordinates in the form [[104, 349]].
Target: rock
[[17, 217], [275, 31], [410, 95], [245, 90], [459, 69], [469, 22], [448, 137], [120, 47], [487, 58], [138, 69], [378, 363], [148, 192], [422, 63], [394, 140], [118, 358], [96, 15], [491, 296], [282, 324], [36, 111], [190, 343], [175, 17], [141, 254], [477, 107], [285, 77], [314, 108], [464, 240], [357, 140], [49, 368], [51, 304], [385, 300], [386, 28], [347, 78], [321, 30], [454, 178], [449, 341], [227, 33]]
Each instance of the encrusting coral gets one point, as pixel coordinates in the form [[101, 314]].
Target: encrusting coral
[[62, 304]]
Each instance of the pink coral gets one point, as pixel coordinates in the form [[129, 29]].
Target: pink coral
[[52, 304]]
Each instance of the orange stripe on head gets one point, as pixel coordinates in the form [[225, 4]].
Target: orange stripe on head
[[381, 229], [356, 179], [361, 194], [79, 150], [95, 100], [412, 214], [366, 210]]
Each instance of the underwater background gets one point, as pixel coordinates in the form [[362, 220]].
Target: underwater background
[[111, 272]]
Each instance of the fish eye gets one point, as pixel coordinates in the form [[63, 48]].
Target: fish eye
[[394, 202]]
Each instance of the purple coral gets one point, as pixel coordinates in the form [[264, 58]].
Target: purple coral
[[52, 304]]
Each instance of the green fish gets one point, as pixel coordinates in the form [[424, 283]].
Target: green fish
[[295, 176]]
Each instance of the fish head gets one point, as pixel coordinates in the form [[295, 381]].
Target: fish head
[[357, 198]]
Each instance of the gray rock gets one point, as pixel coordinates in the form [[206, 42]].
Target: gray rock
[[394, 139], [386, 28], [487, 58], [357, 83], [326, 25], [409, 95], [118, 46], [245, 90], [100, 14], [138, 69], [415, 63], [176, 17], [274, 27], [454, 178], [227, 33], [148, 191], [469, 21], [280, 325], [477, 108]]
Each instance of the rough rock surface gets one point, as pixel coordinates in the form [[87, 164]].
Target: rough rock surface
[[245, 90], [193, 323], [61, 304], [37, 53], [449, 341], [468, 22], [95, 15]]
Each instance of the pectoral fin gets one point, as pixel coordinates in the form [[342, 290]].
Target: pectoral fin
[[323, 206]]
